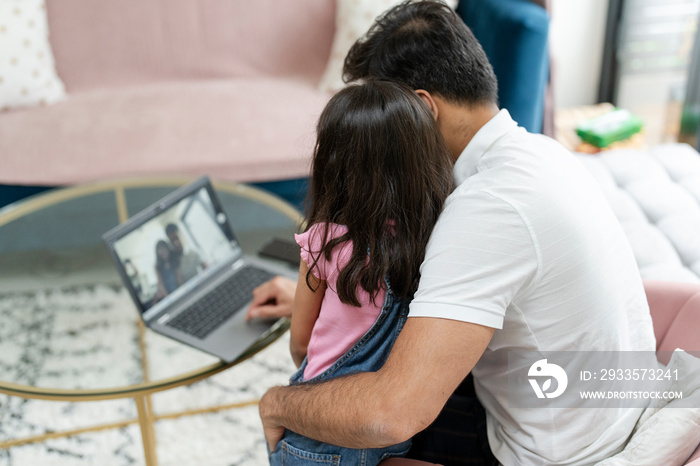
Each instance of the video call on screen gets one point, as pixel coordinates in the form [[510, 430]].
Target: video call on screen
[[173, 248]]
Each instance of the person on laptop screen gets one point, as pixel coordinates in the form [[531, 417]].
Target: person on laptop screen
[[190, 263], [167, 270]]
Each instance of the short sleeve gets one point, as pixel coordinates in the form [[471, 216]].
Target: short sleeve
[[310, 243], [480, 256]]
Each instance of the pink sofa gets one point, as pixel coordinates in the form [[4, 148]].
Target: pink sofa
[[675, 310], [226, 88]]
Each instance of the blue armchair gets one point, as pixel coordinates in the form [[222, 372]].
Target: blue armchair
[[514, 34]]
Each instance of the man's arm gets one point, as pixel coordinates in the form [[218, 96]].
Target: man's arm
[[375, 409]]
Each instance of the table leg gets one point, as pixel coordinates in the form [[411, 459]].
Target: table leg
[[120, 198], [147, 431]]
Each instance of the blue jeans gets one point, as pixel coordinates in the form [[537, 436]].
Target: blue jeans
[[367, 355]]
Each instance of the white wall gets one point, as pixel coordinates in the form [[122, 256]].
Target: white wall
[[577, 34]]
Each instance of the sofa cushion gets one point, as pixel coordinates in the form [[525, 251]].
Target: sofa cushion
[[655, 194], [115, 43], [239, 130], [27, 74], [514, 35]]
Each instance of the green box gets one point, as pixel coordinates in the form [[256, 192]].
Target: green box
[[610, 127]]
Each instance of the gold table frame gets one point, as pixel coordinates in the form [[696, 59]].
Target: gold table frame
[[139, 392]]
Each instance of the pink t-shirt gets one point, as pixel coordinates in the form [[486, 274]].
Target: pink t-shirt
[[339, 326]]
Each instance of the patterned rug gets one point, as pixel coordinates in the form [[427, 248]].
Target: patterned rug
[[51, 337]]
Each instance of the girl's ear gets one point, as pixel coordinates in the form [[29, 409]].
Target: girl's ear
[[429, 101]]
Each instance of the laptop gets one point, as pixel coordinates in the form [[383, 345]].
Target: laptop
[[187, 273]]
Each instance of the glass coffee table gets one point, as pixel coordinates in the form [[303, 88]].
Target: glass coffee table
[[69, 332]]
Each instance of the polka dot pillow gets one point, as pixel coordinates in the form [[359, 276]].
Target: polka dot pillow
[[353, 19], [27, 73]]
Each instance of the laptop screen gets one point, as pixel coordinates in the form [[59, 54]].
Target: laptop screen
[[174, 248]]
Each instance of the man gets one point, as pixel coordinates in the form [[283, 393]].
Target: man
[[189, 261], [526, 256]]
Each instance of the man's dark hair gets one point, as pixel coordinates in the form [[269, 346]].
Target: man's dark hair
[[171, 228], [425, 45]]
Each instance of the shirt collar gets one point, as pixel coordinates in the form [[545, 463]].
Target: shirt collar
[[496, 127]]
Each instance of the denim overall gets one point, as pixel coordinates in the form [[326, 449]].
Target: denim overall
[[367, 355]]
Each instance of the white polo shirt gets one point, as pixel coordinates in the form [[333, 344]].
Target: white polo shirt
[[528, 245]]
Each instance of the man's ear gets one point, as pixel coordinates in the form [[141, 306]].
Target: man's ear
[[429, 101]]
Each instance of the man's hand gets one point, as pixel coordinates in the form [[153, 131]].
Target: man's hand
[[273, 299], [273, 431], [430, 359]]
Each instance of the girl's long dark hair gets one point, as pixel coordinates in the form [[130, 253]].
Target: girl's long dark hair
[[381, 168]]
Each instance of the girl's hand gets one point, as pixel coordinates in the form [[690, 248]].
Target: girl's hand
[[273, 299]]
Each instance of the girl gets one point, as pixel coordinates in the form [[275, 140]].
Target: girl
[[381, 172], [167, 269]]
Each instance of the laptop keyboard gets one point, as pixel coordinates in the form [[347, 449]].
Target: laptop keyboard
[[204, 316]]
